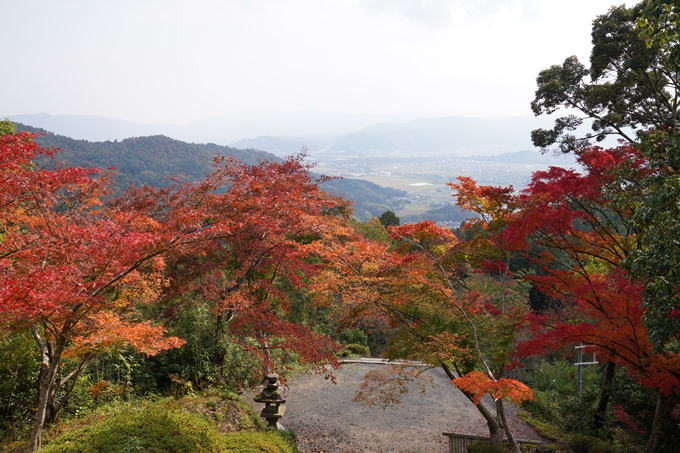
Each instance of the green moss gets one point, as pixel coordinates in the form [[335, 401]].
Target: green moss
[[257, 442], [228, 410], [152, 427], [167, 426], [544, 429]]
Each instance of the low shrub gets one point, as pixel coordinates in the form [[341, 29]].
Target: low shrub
[[153, 427], [354, 350], [572, 414], [484, 447], [353, 336], [257, 442], [587, 444], [545, 429], [603, 447], [165, 426]]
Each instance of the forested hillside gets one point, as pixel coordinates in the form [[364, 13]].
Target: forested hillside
[[370, 200], [447, 213], [144, 160], [154, 160]]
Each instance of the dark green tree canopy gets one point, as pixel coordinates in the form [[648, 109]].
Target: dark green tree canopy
[[660, 24], [630, 87], [389, 218]]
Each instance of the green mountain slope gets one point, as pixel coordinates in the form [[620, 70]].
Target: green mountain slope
[[446, 213], [144, 160], [154, 160], [370, 200]]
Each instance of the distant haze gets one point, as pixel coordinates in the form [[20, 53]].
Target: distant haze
[[285, 134], [179, 62], [440, 135], [216, 129]]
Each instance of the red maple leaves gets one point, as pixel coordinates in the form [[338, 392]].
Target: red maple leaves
[[76, 268], [585, 234]]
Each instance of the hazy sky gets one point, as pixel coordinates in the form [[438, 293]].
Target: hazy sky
[[179, 61]]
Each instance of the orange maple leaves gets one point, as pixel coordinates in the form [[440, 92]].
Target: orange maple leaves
[[478, 384], [107, 332]]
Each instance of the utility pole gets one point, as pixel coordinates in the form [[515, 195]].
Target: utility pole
[[579, 365]]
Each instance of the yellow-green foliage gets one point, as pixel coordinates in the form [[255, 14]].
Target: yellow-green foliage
[[544, 429], [153, 427], [354, 350], [256, 442], [165, 426]]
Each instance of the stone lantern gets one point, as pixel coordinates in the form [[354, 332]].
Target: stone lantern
[[274, 403]]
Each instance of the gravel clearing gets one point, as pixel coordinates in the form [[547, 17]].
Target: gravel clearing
[[326, 419]]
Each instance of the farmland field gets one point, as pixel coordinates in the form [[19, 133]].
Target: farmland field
[[424, 177]]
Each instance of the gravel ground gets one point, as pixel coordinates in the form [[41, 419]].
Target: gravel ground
[[326, 419]]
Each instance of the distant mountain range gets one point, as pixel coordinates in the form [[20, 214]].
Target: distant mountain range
[[215, 129], [442, 135], [153, 160], [281, 146], [284, 134]]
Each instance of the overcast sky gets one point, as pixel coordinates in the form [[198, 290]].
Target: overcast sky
[[179, 61]]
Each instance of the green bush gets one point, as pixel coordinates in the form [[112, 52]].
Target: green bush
[[572, 414], [560, 376], [545, 429], [205, 360], [577, 412], [19, 368], [166, 426], [257, 442], [546, 406], [354, 349], [80, 400], [353, 336], [484, 447], [603, 447], [586, 444], [153, 427]]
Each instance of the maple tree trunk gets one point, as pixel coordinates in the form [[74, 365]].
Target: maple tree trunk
[[605, 395], [495, 431], [50, 358], [51, 409], [495, 428], [266, 351], [663, 407], [500, 410]]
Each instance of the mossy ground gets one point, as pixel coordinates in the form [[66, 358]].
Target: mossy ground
[[202, 424]]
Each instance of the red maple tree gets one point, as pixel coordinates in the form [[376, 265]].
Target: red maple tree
[[73, 268], [582, 224], [61, 251]]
